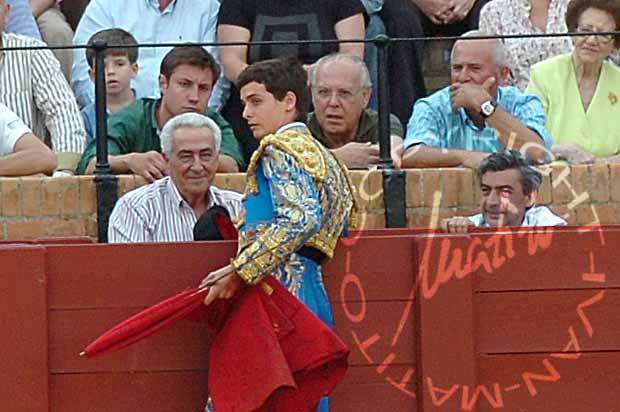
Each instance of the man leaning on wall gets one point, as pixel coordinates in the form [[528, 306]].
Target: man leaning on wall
[[21, 152], [476, 115], [33, 86]]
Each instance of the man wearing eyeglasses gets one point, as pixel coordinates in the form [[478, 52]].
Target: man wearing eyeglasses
[[341, 121], [580, 89], [476, 115], [168, 209]]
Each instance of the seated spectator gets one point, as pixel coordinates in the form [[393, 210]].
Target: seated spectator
[[168, 209], [55, 31], [258, 20], [515, 17], [152, 21], [188, 74], [580, 90], [21, 20], [21, 152], [508, 185], [341, 89], [420, 18], [32, 86], [120, 67], [461, 124]]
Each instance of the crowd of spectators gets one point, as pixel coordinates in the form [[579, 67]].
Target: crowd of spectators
[[549, 97]]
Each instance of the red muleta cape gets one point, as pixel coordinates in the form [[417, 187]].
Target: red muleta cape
[[272, 354]]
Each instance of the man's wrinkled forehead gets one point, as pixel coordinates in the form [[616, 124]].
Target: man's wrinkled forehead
[[340, 70], [502, 178], [472, 52]]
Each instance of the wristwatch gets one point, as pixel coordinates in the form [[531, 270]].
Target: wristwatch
[[488, 108]]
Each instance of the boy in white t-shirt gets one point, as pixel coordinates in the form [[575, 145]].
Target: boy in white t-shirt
[[21, 152]]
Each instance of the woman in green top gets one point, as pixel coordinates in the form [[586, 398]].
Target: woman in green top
[[581, 90]]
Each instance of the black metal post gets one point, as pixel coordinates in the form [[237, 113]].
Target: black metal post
[[394, 184], [382, 43], [106, 182]]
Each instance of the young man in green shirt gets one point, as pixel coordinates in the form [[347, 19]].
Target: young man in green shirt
[[188, 74]]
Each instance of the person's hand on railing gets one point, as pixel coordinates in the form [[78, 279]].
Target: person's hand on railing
[[150, 165], [573, 153], [615, 159], [456, 224], [358, 155], [472, 160], [397, 155]]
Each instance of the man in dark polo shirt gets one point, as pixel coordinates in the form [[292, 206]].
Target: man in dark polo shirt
[[188, 74], [341, 121]]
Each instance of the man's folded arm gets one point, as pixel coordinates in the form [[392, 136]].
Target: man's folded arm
[[421, 155], [30, 156]]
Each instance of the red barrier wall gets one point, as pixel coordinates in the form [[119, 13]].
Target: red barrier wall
[[504, 322]]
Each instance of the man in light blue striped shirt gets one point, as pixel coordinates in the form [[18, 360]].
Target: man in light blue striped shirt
[[509, 185]]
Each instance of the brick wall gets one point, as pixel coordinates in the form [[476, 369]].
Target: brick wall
[[34, 207], [581, 194]]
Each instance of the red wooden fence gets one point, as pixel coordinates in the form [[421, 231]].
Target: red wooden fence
[[506, 322]]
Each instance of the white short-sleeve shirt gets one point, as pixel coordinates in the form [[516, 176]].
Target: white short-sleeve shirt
[[11, 129]]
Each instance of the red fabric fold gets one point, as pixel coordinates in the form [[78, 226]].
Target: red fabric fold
[[148, 321], [273, 354]]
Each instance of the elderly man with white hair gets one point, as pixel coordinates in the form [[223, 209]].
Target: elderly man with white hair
[[477, 114], [167, 209], [341, 120]]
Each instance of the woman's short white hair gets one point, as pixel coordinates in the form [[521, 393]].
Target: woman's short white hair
[[187, 120]]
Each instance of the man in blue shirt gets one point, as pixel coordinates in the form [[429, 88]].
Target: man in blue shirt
[[461, 124], [508, 188]]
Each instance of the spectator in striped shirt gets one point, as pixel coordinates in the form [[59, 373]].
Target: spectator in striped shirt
[[33, 86], [21, 152], [168, 209]]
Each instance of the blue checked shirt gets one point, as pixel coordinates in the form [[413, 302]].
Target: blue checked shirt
[[434, 123]]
